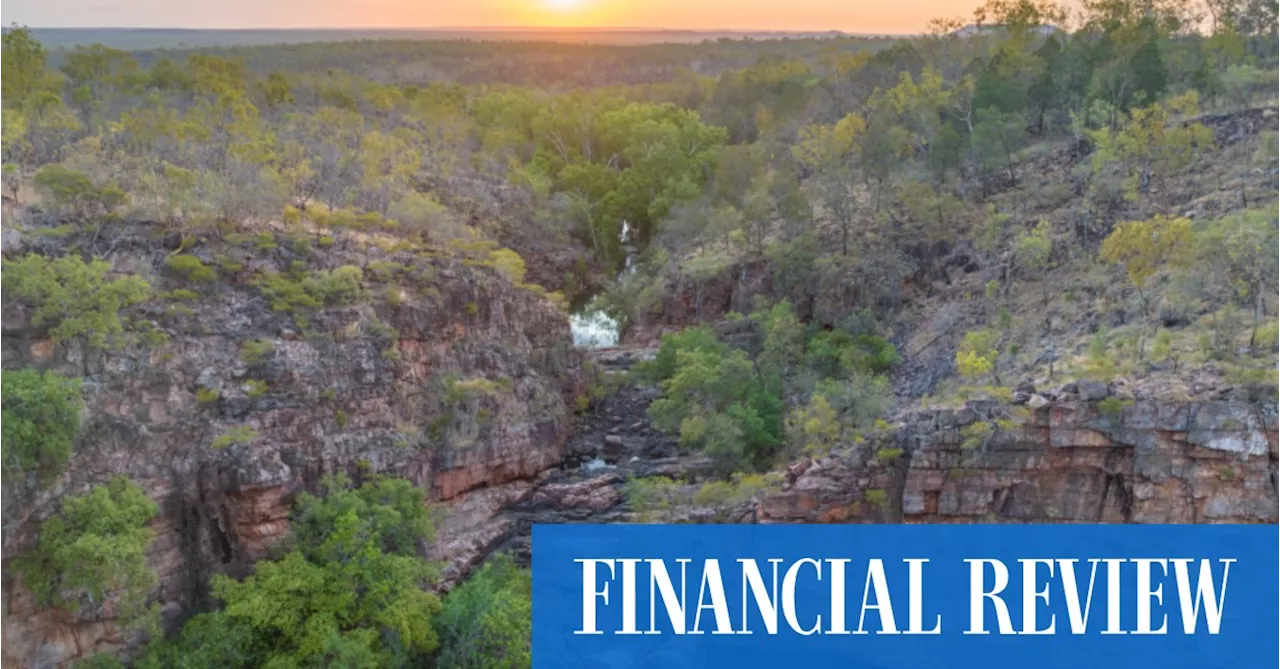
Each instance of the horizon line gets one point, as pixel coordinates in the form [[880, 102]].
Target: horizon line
[[503, 28]]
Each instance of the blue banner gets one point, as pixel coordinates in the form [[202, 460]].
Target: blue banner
[[904, 596]]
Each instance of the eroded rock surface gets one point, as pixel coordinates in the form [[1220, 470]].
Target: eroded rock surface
[[1147, 462], [337, 400]]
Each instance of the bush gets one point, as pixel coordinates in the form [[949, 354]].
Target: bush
[[71, 192], [73, 298], [487, 621], [256, 351], [235, 436], [192, 268], [350, 593], [94, 547], [41, 417], [312, 291]]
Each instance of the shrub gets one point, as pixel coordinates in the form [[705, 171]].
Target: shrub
[[350, 593], [73, 298], [94, 547], [978, 352], [192, 268], [887, 455], [487, 621], [976, 434], [41, 417], [235, 436], [509, 263], [1112, 407], [312, 291], [256, 351], [255, 388], [73, 193], [875, 497], [207, 395]]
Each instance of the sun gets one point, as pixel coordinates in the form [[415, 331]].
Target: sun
[[563, 5]]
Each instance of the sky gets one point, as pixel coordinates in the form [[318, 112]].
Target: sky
[[854, 16]]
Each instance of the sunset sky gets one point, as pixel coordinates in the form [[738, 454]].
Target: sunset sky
[[861, 16]]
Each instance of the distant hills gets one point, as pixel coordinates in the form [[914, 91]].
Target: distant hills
[[188, 38]]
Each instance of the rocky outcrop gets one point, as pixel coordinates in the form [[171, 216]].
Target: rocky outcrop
[[1077, 461], [461, 386]]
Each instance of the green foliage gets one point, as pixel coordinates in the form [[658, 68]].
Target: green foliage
[[978, 353], [887, 455], [1112, 408], [1033, 248], [487, 621], [697, 339], [256, 351], [192, 268], [207, 395], [719, 404], [255, 388], [73, 193], [393, 512], [286, 292], [95, 548], [234, 436], [1144, 246], [73, 298], [41, 417], [350, 593], [509, 263], [976, 434], [876, 498]]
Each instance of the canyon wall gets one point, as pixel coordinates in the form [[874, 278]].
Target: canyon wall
[[341, 396], [1071, 461]]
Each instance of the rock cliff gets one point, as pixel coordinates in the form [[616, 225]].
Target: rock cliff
[[1069, 461], [461, 387]]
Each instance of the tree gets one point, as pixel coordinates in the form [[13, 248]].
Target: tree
[[95, 549], [74, 194], [487, 621], [74, 299], [995, 138], [979, 354], [1144, 246], [1241, 246], [23, 61], [41, 420], [350, 593], [1151, 143]]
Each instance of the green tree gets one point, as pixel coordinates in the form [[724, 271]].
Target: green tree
[[487, 621], [350, 593], [1241, 247], [41, 417], [94, 549], [74, 299], [979, 354], [23, 61], [1143, 247]]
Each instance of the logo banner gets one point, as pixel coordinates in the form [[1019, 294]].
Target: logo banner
[[903, 596]]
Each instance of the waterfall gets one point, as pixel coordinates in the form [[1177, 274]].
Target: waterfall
[[592, 326]]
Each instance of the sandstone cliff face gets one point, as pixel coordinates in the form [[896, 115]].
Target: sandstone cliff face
[[1150, 462], [337, 399]]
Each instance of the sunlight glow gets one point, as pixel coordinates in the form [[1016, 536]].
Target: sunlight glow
[[562, 5]]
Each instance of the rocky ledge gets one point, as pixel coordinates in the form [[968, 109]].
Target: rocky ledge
[[1063, 462]]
